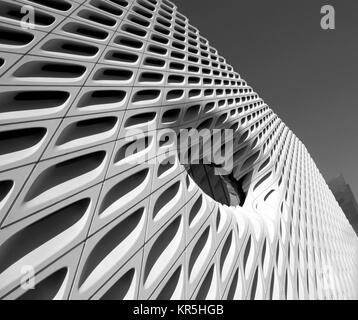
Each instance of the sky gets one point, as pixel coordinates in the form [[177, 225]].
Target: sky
[[307, 75]]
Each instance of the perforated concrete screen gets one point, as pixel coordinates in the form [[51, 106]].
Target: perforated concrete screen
[[81, 218]]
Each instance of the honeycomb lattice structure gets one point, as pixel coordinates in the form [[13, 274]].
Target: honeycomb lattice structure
[[89, 223]]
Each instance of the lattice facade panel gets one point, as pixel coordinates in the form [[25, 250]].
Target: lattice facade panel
[[94, 224]]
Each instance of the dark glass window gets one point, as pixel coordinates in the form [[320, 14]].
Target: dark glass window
[[223, 189]]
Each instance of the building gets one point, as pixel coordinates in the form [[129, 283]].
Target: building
[[345, 197], [85, 214]]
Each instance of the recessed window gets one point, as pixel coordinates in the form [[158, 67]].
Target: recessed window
[[223, 189]]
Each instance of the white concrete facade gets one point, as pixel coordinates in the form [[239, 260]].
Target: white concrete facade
[[89, 223]]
